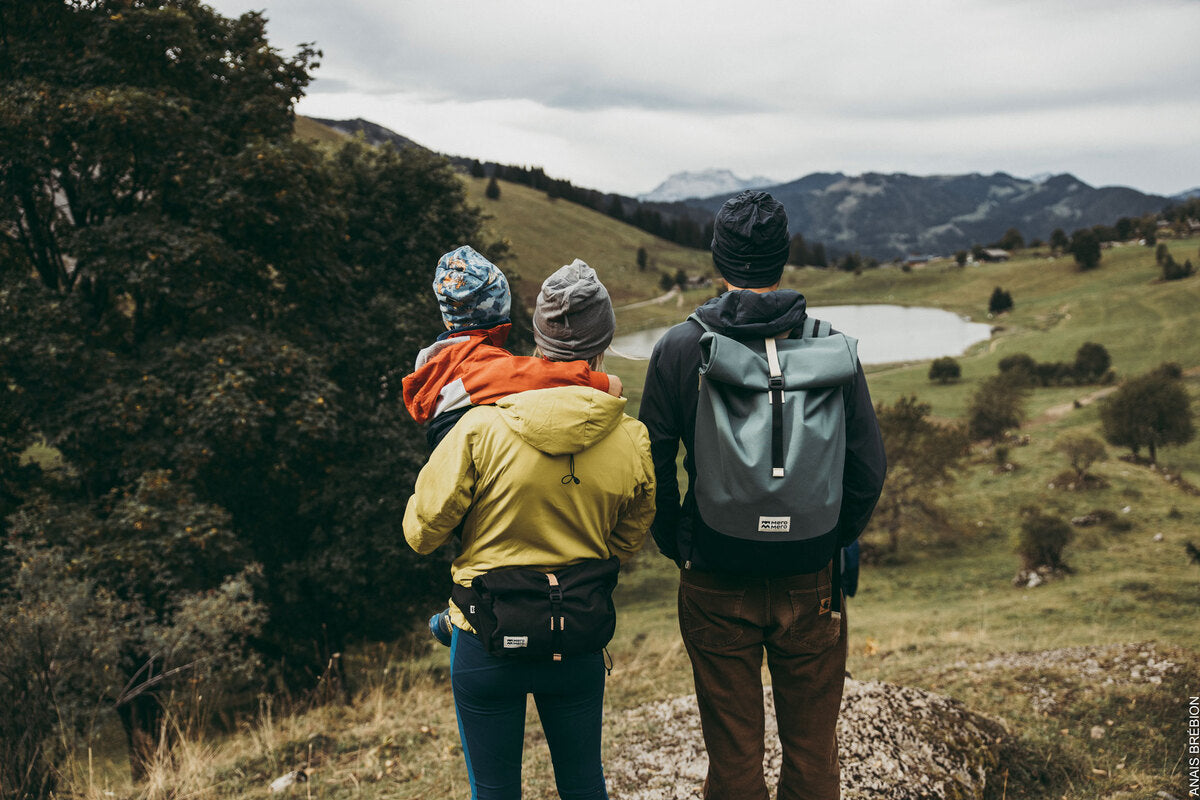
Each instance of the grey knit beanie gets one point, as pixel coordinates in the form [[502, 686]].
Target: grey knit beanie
[[750, 240], [573, 319]]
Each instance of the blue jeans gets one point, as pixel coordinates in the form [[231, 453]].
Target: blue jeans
[[490, 695]]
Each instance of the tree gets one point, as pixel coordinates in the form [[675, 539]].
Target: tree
[[477, 170], [1085, 246], [818, 255], [1152, 410], [798, 251], [997, 405], [1091, 362], [1000, 301], [1082, 450], [208, 321], [960, 258], [944, 370], [1012, 240], [1059, 241], [642, 259], [922, 457], [616, 209], [492, 191], [1161, 254]]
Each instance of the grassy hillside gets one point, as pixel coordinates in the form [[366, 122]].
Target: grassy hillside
[[311, 129], [545, 234]]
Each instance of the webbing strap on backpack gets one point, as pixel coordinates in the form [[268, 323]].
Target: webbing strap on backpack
[[776, 385]]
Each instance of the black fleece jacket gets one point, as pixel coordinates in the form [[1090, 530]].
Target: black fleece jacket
[[668, 411]]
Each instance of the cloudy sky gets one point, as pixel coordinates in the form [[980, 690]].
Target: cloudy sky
[[617, 95]]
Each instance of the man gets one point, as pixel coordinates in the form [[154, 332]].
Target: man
[[739, 598]]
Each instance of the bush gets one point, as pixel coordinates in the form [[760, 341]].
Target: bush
[[1091, 361], [997, 405], [1042, 540], [944, 370], [1090, 366], [1172, 271], [1000, 301], [1081, 450], [1019, 367]]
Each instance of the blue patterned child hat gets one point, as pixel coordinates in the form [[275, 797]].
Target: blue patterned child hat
[[472, 292]]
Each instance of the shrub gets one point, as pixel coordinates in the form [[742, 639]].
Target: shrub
[[1000, 301], [1019, 367], [1042, 540], [1172, 271], [1081, 450], [944, 370], [1091, 361], [997, 405]]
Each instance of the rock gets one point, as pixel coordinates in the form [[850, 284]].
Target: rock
[[1098, 731], [287, 781], [896, 742]]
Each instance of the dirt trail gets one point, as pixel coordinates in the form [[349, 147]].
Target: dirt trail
[[674, 292], [1059, 411]]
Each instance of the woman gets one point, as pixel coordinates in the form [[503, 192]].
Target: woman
[[545, 479]]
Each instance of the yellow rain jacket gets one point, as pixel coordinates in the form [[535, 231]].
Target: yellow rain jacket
[[544, 478]]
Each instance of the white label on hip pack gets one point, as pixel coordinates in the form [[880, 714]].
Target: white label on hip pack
[[774, 524], [511, 642]]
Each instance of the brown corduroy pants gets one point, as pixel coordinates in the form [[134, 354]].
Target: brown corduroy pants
[[728, 622]]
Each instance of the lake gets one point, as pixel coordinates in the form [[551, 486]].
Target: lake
[[885, 333]]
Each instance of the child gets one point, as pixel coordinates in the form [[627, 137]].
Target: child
[[467, 365]]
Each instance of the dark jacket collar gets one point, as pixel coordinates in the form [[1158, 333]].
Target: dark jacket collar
[[743, 314]]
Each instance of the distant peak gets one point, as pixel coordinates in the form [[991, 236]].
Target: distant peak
[[702, 183]]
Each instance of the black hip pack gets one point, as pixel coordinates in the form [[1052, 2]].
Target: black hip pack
[[525, 613]]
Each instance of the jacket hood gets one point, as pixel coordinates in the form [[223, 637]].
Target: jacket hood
[[562, 420], [742, 314]]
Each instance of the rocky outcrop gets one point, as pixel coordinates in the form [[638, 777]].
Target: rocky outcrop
[[895, 742]]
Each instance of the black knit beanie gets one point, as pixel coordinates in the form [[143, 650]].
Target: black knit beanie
[[750, 240]]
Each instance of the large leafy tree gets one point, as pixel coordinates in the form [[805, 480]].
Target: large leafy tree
[[1151, 410], [205, 318]]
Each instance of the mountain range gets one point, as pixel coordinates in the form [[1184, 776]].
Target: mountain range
[[881, 215], [890, 215]]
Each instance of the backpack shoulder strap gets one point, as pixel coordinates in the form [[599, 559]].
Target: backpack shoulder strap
[[700, 322], [815, 328]]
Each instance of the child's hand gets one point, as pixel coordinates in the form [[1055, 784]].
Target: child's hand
[[614, 385]]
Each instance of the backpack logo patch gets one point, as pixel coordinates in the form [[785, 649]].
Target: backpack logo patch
[[512, 642], [774, 524]]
